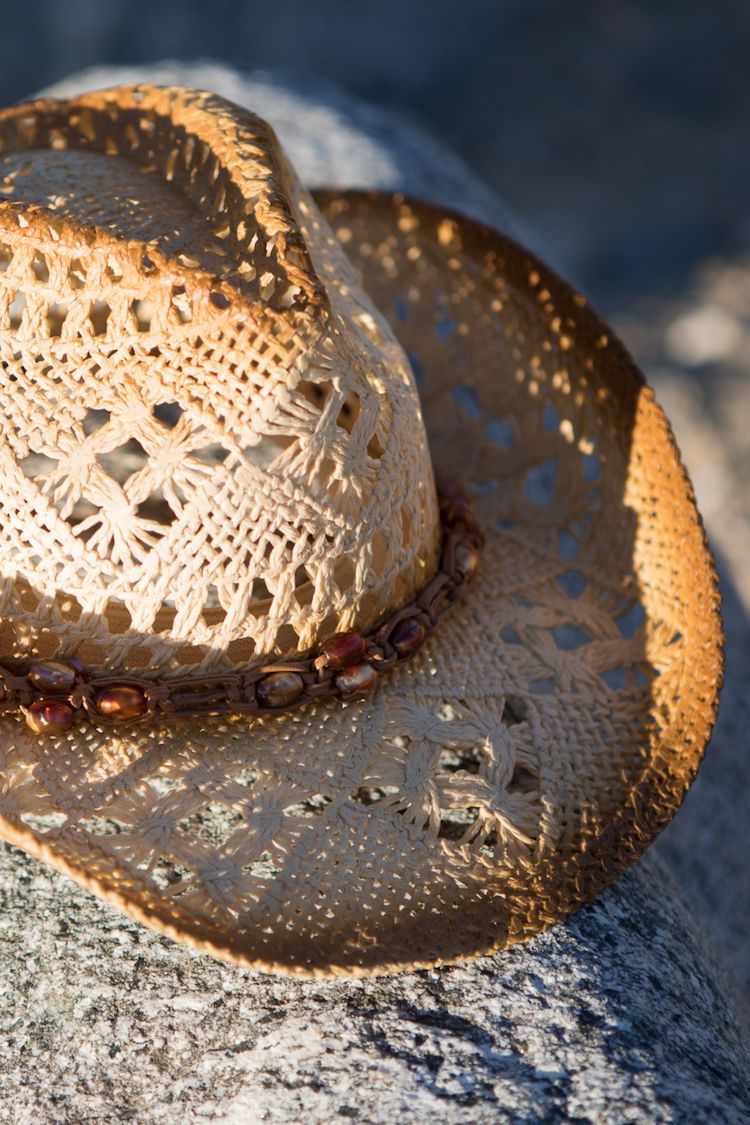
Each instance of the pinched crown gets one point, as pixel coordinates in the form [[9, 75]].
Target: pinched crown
[[211, 445]]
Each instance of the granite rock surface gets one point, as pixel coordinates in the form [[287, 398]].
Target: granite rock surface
[[617, 1016]]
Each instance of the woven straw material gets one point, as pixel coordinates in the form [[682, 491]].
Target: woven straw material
[[207, 456], [545, 733]]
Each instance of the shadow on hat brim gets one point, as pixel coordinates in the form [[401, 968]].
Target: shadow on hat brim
[[553, 724]]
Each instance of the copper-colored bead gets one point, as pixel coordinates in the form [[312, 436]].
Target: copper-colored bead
[[454, 503], [408, 635], [279, 689], [50, 716], [466, 560], [342, 650], [52, 675], [357, 682], [455, 511], [122, 701]]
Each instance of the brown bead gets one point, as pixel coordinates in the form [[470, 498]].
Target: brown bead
[[279, 689], [50, 716], [52, 675], [408, 635], [357, 682], [466, 560], [342, 650], [454, 503], [122, 701]]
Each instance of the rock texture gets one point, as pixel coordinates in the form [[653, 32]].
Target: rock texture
[[623, 1014], [615, 1017]]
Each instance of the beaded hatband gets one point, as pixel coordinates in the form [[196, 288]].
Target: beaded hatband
[[55, 694]]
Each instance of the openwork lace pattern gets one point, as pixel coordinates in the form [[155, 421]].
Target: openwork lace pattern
[[208, 456], [540, 738]]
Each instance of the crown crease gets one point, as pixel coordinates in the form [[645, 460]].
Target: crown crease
[[211, 443]]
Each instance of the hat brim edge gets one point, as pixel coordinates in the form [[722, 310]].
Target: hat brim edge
[[571, 885]]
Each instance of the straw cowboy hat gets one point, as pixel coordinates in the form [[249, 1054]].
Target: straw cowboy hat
[[265, 687]]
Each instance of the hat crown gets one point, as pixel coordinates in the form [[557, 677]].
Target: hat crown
[[211, 444]]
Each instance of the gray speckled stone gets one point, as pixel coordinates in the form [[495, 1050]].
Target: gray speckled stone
[[623, 1014], [614, 1017]]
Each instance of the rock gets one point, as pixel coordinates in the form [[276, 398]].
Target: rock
[[621, 1014], [616, 1016]]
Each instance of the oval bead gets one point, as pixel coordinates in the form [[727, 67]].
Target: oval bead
[[454, 503], [122, 701], [357, 682], [52, 675], [466, 560], [408, 636], [50, 716], [279, 689], [342, 650]]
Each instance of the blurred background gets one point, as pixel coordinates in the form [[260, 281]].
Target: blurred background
[[616, 128], [618, 133]]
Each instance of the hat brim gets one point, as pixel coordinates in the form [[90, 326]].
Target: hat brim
[[547, 732]]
